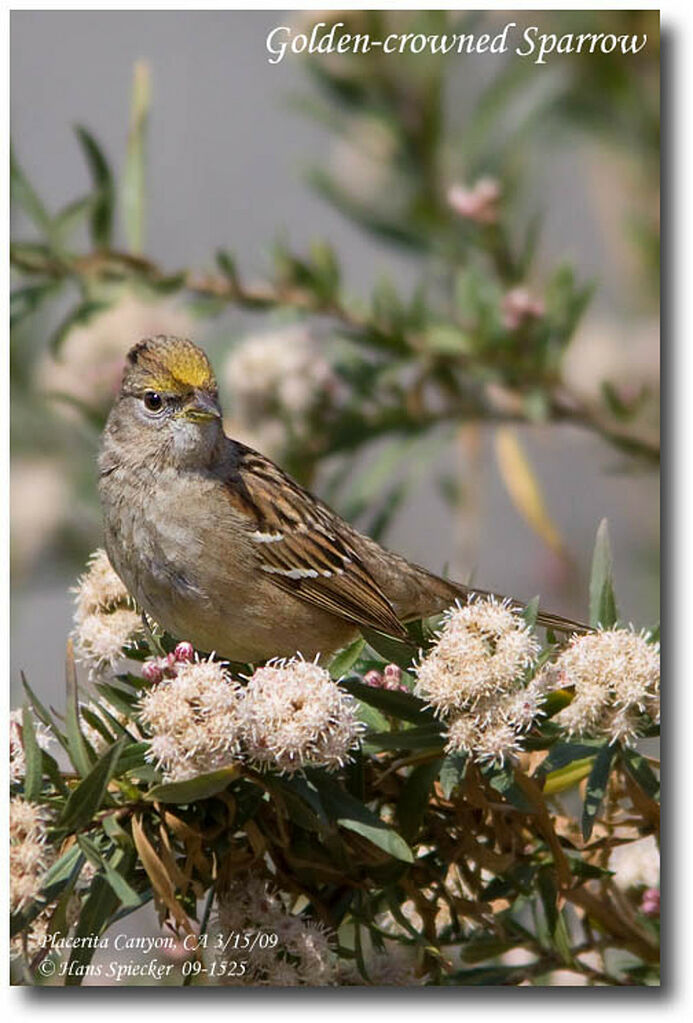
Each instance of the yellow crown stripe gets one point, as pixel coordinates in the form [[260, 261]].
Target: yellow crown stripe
[[190, 368], [179, 374]]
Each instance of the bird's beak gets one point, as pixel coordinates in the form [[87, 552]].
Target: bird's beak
[[202, 408]]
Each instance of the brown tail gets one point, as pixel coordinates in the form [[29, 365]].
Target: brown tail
[[547, 619], [431, 594], [414, 592]]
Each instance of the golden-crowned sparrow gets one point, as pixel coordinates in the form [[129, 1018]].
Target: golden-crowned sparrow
[[220, 546]]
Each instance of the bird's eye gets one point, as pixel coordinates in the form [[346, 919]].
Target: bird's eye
[[153, 402]]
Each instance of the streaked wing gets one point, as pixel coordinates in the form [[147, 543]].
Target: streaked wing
[[304, 548]]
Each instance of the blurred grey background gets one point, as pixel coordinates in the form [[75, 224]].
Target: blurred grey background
[[227, 155]]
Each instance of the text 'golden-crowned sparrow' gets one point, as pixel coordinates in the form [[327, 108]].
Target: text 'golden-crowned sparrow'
[[220, 546]]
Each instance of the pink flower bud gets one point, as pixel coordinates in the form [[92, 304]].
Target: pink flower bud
[[373, 678], [650, 904], [184, 652], [393, 676], [519, 306], [478, 203], [151, 671]]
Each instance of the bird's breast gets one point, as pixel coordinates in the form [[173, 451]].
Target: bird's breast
[[175, 542]]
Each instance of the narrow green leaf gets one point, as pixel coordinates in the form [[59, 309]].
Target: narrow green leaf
[[70, 217], [567, 777], [52, 771], [391, 229], [596, 788], [126, 895], [394, 651], [641, 772], [201, 787], [452, 772], [531, 611], [307, 792], [352, 814], [101, 221], [519, 879], [132, 757], [76, 746], [60, 878], [444, 339], [425, 737], [88, 796], [23, 193], [32, 257], [119, 698], [374, 719], [326, 270], [346, 658], [379, 834], [557, 931], [298, 809], [23, 918], [602, 601], [135, 173], [555, 702], [393, 896], [390, 701], [115, 831], [587, 871], [227, 265], [78, 317], [98, 724], [563, 753], [413, 801], [502, 780], [96, 913], [58, 924], [41, 713], [25, 301], [169, 285], [145, 897], [62, 873], [33, 775]]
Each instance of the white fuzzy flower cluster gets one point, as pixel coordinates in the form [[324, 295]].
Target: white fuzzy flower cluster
[[106, 622], [30, 855], [193, 720], [474, 678], [289, 716], [294, 952], [482, 649], [276, 383], [293, 715], [17, 754], [100, 588], [396, 966], [615, 674]]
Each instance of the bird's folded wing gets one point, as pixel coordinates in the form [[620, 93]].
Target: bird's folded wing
[[304, 547]]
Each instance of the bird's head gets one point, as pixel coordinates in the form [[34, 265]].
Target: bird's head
[[168, 401]]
